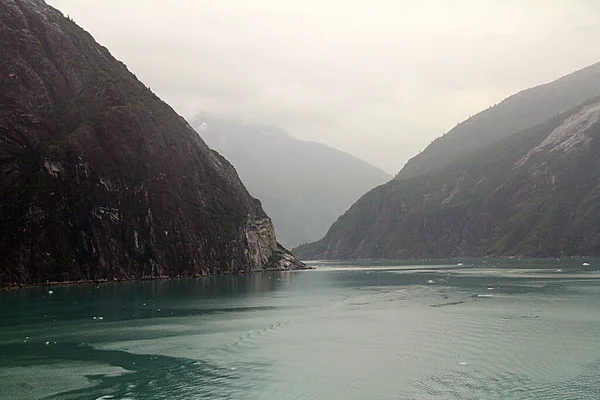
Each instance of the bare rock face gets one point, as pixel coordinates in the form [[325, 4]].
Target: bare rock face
[[100, 179]]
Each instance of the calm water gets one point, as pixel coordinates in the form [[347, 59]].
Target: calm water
[[518, 330]]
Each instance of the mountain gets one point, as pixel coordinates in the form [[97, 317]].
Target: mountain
[[536, 193], [304, 186], [100, 179], [523, 110]]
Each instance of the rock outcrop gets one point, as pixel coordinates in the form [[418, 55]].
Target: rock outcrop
[[100, 179]]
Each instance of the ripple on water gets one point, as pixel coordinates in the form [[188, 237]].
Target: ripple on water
[[388, 334]]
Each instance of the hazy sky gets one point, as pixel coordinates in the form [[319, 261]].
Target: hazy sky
[[376, 78]]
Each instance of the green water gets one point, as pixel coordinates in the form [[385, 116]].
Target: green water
[[431, 330]]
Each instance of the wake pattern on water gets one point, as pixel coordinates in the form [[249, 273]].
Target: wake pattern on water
[[507, 386], [385, 333]]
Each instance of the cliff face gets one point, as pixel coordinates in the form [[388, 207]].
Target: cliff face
[[99, 178], [304, 186], [536, 193], [523, 110]]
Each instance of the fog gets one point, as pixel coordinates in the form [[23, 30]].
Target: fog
[[379, 79]]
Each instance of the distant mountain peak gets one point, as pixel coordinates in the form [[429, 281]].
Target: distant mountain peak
[[304, 186], [220, 125]]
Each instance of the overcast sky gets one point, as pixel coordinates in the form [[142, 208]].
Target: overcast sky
[[376, 78]]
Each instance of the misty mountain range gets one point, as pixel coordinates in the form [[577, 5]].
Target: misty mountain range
[[303, 186], [520, 178], [101, 180]]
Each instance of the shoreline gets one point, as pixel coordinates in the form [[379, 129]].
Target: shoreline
[[12, 286]]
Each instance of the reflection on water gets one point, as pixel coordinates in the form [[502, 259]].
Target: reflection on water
[[433, 329]]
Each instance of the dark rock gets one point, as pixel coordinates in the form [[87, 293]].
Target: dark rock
[[100, 179]]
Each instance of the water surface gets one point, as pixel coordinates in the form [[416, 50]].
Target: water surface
[[493, 329]]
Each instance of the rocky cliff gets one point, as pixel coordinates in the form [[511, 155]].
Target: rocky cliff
[[536, 193], [100, 179]]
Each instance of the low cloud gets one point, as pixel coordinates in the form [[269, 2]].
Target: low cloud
[[379, 79]]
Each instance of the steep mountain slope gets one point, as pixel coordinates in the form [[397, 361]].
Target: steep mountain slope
[[520, 111], [536, 193], [100, 179], [304, 186]]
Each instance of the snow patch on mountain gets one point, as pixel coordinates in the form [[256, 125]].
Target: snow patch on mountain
[[570, 135]]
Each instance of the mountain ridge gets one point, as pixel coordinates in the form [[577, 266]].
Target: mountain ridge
[[102, 180], [522, 110], [304, 186], [533, 194]]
